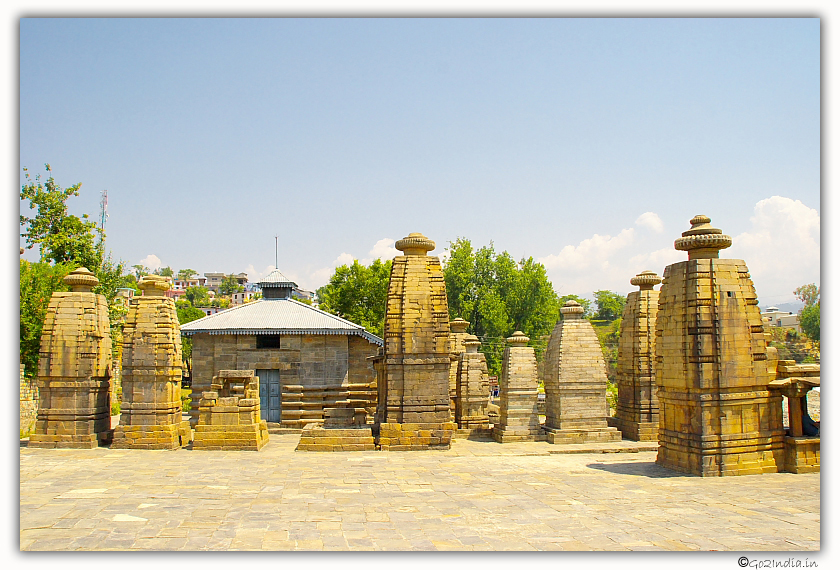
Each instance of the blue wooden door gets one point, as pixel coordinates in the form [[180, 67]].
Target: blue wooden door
[[270, 402]]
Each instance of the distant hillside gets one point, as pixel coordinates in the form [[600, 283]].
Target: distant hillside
[[794, 307]]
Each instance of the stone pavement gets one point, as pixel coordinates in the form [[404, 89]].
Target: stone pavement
[[479, 495]]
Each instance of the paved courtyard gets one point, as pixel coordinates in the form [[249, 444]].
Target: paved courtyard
[[479, 495]]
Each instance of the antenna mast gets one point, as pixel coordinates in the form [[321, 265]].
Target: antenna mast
[[103, 215], [275, 253]]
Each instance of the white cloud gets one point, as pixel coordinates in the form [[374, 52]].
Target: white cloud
[[599, 262], [384, 249], [444, 256], [343, 259], [151, 261], [591, 253], [651, 221], [254, 276], [321, 276], [782, 248], [656, 261]]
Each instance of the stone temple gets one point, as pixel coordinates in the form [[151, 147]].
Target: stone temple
[[637, 408], [413, 410], [472, 387], [457, 335], [717, 415], [576, 382], [150, 414], [74, 369], [518, 387], [307, 360]]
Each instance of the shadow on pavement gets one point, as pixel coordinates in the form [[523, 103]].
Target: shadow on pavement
[[643, 469]]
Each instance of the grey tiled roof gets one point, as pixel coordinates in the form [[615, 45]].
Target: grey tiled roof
[[276, 316], [276, 279]]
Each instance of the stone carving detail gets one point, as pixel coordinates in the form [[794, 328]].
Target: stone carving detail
[[472, 387], [229, 414], [414, 402], [576, 382], [637, 408], [150, 414], [518, 418], [74, 369], [717, 416]]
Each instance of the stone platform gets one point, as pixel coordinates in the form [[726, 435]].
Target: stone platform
[[587, 435], [802, 454], [415, 436], [478, 495], [169, 436], [315, 437], [637, 431]]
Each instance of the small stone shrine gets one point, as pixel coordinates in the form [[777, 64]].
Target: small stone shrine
[[413, 390], [716, 414], [457, 334], [802, 443], [472, 387], [150, 414], [229, 414], [576, 382], [637, 407], [518, 418], [74, 370]]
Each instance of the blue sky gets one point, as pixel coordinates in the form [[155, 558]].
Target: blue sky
[[585, 143]]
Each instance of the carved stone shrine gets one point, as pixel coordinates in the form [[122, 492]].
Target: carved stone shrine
[[74, 369], [637, 407], [472, 387], [576, 382], [229, 414], [150, 413], [717, 416], [518, 417], [414, 402]]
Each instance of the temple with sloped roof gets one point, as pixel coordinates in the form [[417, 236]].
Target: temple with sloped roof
[[306, 359]]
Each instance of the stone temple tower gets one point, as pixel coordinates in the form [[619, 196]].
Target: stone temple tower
[[519, 419], [716, 414], [414, 403], [637, 409], [457, 335], [74, 370], [151, 387], [576, 382]]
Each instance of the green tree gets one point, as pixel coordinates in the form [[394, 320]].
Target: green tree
[[610, 305], [358, 293], [808, 294], [230, 285], [66, 242], [184, 274], [62, 237], [140, 270], [499, 296], [38, 281], [809, 316], [165, 272], [187, 314], [197, 296], [809, 321]]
